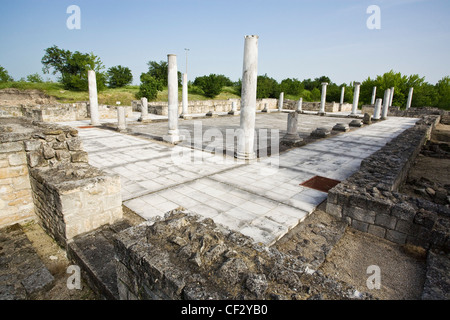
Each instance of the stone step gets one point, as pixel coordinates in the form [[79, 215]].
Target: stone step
[[22, 272]]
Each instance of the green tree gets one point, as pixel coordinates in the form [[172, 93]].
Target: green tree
[[159, 71], [72, 68], [4, 76], [211, 85], [35, 78], [315, 94], [267, 87], [149, 87], [291, 86], [443, 91], [119, 76]]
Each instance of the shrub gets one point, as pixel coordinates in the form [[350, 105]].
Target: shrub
[[149, 87], [211, 85], [119, 76]]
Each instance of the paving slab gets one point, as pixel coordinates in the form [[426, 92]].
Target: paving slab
[[262, 198]]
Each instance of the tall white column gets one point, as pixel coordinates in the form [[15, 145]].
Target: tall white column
[[172, 87], [300, 105], [280, 102], [93, 100], [391, 96], [184, 100], [246, 139], [387, 95], [374, 95], [121, 121], [144, 110], [341, 102], [377, 109], [410, 95], [323, 99], [355, 98]]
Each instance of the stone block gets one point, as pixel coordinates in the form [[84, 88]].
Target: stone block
[[11, 146], [404, 226], [386, 221], [36, 159], [359, 225], [74, 144], [48, 152], [404, 211], [17, 159], [377, 231], [32, 145], [334, 210], [80, 156], [362, 215], [395, 236]]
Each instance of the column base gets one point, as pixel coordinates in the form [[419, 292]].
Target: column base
[[245, 156], [144, 120], [265, 110], [173, 138], [292, 140], [186, 116], [234, 113], [212, 114], [321, 113]]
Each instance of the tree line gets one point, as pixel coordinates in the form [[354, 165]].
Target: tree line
[[71, 71]]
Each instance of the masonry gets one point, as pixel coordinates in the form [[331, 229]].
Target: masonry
[[370, 202], [45, 174]]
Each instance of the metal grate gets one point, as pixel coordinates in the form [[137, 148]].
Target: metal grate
[[320, 183]]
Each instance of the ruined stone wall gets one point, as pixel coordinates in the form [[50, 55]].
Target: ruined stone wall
[[47, 165], [184, 257], [203, 106], [315, 106], [60, 112], [369, 201], [16, 202]]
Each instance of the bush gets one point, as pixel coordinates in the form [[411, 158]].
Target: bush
[[149, 87], [267, 87], [4, 76], [211, 85], [119, 76], [35, 78]]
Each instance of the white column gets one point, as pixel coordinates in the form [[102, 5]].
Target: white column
[[184, 100], [387, 95], [410, 95], [391, 96], [172, 87], [355, 98], [144, 109], [374, 95], [93, 100], [245, 146], [323, 99], [300, 105], [234, 110], [377, 109], [121, 121], [341, 102], [280, 102]]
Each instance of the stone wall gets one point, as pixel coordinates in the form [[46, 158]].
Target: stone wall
[[184, 257], [203, 106], [315, 106], [369, 200], [16, 202], [60, 112], [48, 167]]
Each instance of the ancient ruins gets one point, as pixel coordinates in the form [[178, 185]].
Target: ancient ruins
[[225, 199]]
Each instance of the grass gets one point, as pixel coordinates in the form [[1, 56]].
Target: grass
[[109, 96]]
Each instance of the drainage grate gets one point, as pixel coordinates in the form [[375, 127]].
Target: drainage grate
[[320, 183]]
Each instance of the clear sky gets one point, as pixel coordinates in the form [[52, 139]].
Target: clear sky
[[297, 38]]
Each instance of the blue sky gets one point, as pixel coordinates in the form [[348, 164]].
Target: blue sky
[[297, 39]]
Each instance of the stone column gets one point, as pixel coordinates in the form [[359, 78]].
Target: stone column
[[323, 99], [234, 110], [387, 95], [280, 102], [172, 110], [121, 121], [341, 102], [300, 105], [377, 109], [185, 111], [374, 95], [292, 138], [245, 146], [391, 96], [355, 98], [93, 100], [144, 110], [410, 95]]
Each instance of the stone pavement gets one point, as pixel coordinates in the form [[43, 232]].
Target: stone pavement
[[261, 199]]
